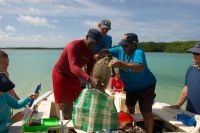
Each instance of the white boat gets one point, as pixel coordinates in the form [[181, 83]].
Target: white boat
[[165, 117], [45, 109]]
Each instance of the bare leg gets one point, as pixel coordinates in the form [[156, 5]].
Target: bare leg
[[131, 109], [17, 117], [66, 110], [148, 122]]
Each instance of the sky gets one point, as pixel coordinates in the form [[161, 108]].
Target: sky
[[54, 23]]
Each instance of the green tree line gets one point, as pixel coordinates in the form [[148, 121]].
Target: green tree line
[[176, 47]]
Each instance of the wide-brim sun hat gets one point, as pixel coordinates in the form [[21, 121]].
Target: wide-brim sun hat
[[195, 49]]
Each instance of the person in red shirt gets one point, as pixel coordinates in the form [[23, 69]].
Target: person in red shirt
[[67, 71], [117, 84]]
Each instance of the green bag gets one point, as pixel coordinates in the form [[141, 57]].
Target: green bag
[[94, 111]]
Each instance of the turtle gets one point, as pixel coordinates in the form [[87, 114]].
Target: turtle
[[102, 71]]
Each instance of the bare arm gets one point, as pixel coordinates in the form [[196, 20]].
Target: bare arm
[[182, 98], [13, 93], [101, 54], [125, 65]]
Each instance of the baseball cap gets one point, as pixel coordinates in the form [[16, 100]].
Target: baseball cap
[[128, 38], [94, 34], [5, 83], [106, 24], [195, 49]]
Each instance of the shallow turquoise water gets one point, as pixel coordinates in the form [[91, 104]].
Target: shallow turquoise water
[[29, 67]]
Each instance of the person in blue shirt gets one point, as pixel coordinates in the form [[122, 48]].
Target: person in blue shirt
[[106, 42], [139, 81], [7, 101], [191, 89]]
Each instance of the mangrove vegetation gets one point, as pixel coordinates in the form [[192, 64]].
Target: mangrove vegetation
[[175, 47]]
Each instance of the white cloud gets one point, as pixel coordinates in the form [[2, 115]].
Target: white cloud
[[2, 1], [37, 21], [90, 23], [7, 2], [3, 35], [31, 41], [36, 1], [10, 28], [191, 2], [70, 18], [121, 1], [33, 10], [62, 7], [91, 8], [55, 21]]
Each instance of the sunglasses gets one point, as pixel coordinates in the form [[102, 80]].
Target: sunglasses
[[196, 53]]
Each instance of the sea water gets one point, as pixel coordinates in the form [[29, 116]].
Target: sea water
[[28, 67]]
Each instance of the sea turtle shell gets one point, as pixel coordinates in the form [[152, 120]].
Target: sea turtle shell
[[102, 71]]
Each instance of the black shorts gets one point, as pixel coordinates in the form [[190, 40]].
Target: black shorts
[[145, 98]]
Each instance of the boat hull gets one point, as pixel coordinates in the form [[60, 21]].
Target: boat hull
[[164, 116]]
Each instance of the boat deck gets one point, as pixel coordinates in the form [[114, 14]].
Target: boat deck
[[161, 111]]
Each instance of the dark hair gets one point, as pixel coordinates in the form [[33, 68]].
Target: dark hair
[[94, 34], [3, 54]]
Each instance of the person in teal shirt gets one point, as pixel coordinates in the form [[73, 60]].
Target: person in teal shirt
[[7, 101], [139, 81], [4, 64]]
